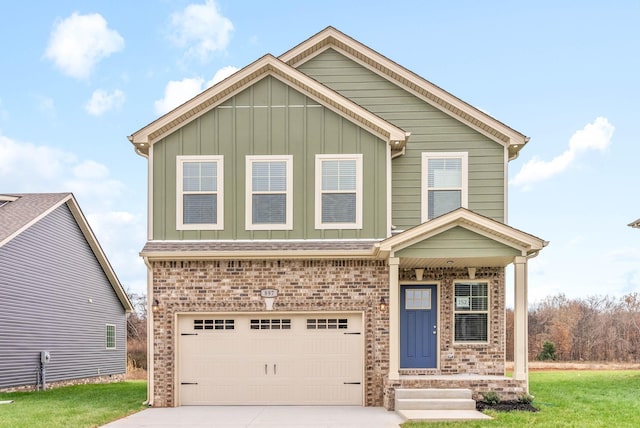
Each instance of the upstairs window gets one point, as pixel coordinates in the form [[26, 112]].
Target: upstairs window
[[444, 183], [471, 311], [338, 202], [199, 193], [269, 193]]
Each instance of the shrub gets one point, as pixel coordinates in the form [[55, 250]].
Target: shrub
[[525, 398], [490, 397], [548, 352]]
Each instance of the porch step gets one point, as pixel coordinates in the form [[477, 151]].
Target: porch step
[[461, 393], [433, 404], [442, 415], [434, 399]]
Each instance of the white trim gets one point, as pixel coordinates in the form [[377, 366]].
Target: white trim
[[106, 337], [488, 311], [288, 224], [389, 196], [318, 191], [150, 194], [424, 192], [219, 192]]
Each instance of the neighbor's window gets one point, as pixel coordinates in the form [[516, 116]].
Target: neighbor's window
[[200, 201], [110, 336], [269, 197], [471, 311], [338, 203], [444, 183]]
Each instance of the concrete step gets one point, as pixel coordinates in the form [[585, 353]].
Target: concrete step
[[435, 404], [442, 415], [434, 393]]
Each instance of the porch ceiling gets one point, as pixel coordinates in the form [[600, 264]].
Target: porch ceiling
[[462, 262]]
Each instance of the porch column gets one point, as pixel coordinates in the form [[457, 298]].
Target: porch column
[[394, 319], [520, 322]]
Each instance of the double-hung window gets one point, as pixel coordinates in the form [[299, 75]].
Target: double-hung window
[[444, 183], [269, 193], [471, 311], [110, 336], [338, 201], [200, 202]]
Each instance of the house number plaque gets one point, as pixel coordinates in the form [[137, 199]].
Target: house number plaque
[[269, 292]]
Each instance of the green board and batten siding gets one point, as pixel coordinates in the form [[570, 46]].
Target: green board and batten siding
[[431, 131], [269, 118], [458, 242]]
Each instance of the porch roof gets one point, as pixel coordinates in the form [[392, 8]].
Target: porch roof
[[509, 242]]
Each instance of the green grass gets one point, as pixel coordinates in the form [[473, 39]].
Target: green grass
[[72, 406], [571, 399]]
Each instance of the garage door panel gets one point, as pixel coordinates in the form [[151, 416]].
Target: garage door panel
[[273, 359]]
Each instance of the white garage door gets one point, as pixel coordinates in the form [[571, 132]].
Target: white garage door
[[303, 359]]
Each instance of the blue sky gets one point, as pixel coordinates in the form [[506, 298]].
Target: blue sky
[[79, 76]]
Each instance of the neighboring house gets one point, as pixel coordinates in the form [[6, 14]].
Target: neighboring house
[[327, 227], [58, 294], [635, 224]]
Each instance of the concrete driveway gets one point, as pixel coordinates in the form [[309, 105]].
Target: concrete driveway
[[262, 416]]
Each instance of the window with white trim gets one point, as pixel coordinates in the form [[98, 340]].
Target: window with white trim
[[471, 311], [200, 199], [269, 193], [338, 201], [110, 336], [444, 183]]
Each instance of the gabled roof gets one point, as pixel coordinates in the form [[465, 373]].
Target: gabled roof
[[635, 224], [422, 88], [268, 65], [525, 243], [24, 210]]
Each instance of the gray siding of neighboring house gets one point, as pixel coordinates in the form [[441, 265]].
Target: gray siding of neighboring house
[[55, 297], [431, 131]]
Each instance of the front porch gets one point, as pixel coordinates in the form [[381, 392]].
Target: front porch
[[506, 387], [447, 301]]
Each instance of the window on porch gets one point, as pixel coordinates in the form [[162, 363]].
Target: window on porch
[[471, 311]]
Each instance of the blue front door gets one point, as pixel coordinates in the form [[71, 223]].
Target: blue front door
[[418, 326]]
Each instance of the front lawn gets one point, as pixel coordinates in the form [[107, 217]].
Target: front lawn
[[571, 399], [72, 406]]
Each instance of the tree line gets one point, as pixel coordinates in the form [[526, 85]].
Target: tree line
[[596, 328]]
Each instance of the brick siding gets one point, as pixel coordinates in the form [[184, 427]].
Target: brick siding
[[332, 286]]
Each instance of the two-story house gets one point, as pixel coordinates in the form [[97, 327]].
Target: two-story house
[[327, 227]]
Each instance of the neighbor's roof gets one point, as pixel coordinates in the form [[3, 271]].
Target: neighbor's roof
[[20, 211], [413, 83], [635, 224]]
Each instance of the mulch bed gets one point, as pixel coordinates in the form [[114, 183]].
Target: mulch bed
[[506, 406]]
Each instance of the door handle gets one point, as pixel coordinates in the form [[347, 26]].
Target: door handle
[[265, 369], [275, 371], [435, 329]]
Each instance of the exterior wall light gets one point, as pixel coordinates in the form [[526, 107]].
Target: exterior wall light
[[382, 305]]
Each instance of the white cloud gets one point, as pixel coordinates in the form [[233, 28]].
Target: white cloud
[[102, 101], [221, 74], [177, 92], [594, 136], [79, 42], [201, 29], [27, 165]]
